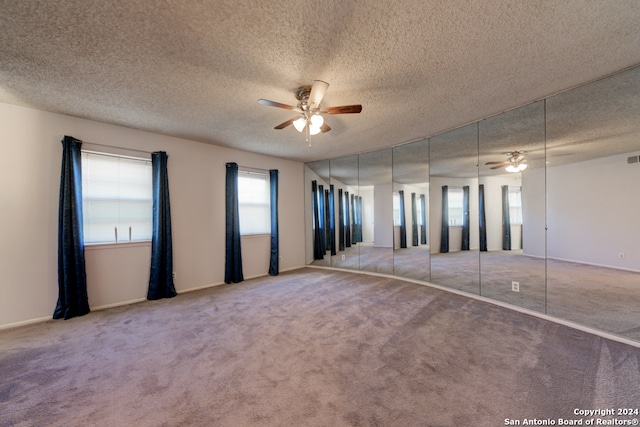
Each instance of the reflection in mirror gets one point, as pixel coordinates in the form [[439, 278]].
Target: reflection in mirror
[[512, 206], [593, 144], [373, 212], [318, 213], [344, 184], [454, 209], [411, 210]]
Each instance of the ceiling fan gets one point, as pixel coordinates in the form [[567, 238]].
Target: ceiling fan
[[309, 118], [515, 162]]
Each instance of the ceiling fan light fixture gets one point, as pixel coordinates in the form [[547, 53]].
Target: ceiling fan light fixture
[[300, 123], [317, 120], [515, 168], [314, 130]]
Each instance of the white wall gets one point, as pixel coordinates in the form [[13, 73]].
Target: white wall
[[383, 215], [369, 230], [534, 212], [30, 176], [593, 211]]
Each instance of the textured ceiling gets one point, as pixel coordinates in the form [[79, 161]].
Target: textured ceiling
[[196, 69]]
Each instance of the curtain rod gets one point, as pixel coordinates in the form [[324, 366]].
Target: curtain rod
[[249, 169], [115, 146]]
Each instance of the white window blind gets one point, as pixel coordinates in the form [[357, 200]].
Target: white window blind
[[254, 203], [396, 209], [116, 198], [419, 210], [455, 206], [515, 205]]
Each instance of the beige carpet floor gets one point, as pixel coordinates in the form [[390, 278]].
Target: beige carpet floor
[[310, 347]]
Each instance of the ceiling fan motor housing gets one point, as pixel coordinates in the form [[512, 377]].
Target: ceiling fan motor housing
[[302, 93]]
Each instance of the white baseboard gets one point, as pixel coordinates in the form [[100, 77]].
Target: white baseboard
[[594, 264], [25, 322]]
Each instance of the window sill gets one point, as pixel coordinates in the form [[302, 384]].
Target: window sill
[[255, 236], [101, 246]]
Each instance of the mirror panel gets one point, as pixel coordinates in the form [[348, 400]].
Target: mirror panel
[[593, 143], [372, 207], [574, 255], [344, 181], [411, 218], [453, 199], [317, 213], [512, 207]]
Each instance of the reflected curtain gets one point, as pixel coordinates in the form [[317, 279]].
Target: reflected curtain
[[317, 243], [465, 218], [357, 218], [483, 219], [327, 221], [360, 228], [423, 228], [233, 252], [403, 223], [332, 219], [414, 220], [444, 229], [354, 220], [347, 221], [161, 275], [72, 277], [340, 220], [274, 262], [321, 218], [506, 220]]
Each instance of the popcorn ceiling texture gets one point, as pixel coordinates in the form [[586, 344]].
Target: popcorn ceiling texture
[[196, 69]]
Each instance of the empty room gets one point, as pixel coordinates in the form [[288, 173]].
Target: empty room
[[319, 213]]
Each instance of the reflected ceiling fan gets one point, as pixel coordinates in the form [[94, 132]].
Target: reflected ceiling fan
[[309, 118], [515, 162]]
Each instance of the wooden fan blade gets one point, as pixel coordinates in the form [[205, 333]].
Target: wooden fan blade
[[499, 166], [285, 124], [275, 104], [325, 128], [496, 163], [318, 89], [345, 109]]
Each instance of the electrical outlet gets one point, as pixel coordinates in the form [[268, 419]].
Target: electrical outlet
[[621, 255], [344, 257], [173, 275], [515, 286]]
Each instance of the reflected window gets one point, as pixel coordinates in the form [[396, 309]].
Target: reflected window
[[396, 209], [455, 206], [515, 205]]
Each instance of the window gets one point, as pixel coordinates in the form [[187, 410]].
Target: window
[[419, 210], [254, 202], [515, 205], [396, 209], [455, 206], [116, 198]]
